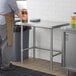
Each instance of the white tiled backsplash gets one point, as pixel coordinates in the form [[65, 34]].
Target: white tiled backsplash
[[22, 4]]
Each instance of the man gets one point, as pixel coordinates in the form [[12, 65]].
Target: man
[[7, 8]]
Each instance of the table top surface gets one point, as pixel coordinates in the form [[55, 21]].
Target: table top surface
[[44, 24], [69, 29]]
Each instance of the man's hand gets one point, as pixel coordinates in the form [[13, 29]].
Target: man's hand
[[23, 15]]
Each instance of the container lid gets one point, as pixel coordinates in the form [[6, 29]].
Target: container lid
[[74, 12]]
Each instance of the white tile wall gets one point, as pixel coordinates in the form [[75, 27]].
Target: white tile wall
[[59, 10]]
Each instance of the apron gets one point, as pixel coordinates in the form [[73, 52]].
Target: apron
[[9, 17]]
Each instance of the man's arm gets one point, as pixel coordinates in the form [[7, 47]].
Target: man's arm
[[13, 5], [2, 14]]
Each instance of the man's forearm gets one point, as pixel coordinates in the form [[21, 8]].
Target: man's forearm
[[2, 14]]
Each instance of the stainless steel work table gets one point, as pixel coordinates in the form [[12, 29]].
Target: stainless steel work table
[[69, 49], [49, 25]]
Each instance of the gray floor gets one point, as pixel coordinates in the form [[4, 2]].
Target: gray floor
[[44, 66]]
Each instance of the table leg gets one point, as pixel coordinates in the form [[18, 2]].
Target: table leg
[[21, 43], [51, 47], [34, 42], [63, 50], [68, 72]]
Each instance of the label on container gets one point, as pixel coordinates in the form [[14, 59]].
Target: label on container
[[73, 21]]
